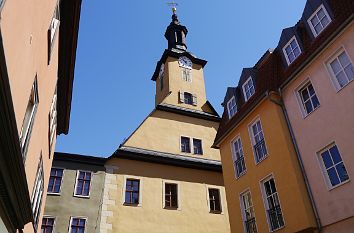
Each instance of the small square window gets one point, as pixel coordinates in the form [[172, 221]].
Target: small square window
[[185, 145], [308, 98], [341, 69], [231, 107], [319, 20], [132, 189], [56, 176], [188, 98], [47, 224], [291, 50], [171, 196], [248, 88], [197, 146], [333, 165], [214, 200], [83, 184], [78, 225]]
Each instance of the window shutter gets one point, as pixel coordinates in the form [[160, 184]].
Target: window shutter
[[181, 96], [194, 100]]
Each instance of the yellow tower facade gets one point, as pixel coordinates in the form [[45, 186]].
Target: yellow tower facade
[[166, 177]]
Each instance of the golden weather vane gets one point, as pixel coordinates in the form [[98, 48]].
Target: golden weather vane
[[174, 5]]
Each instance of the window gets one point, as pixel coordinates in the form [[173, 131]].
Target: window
[[308, 98], [214, 200], [77, 225], [47, 225], [185, 145], [37, 194], [259, 147], [333, 166], [291, 50], [197, 146], [274, 213], [248, 88], [53, 28], [238, 158], [249, 217], [187, 74], [53, 120], [231, 107], [171, 198], [342, 70], [83, 183], [2, 2], [56, 176], [132, 187], [28, 120], [319, 20], [187, 98]]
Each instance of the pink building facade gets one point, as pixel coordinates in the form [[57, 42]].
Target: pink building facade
[[318, 95]]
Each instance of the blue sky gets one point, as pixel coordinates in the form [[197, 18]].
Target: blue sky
[[121, 41]]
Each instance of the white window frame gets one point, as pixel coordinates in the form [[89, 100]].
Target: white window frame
[[201, 144], [37, 193], [140, 190], [244, 90], [190, 144], [330, 70], [52, 217], [52, 122], [253, 142], [61, 183], [292, 50], [221, 194], [53, 28], [323, 167], [229, 111], [265, 201], [299, 98], [242, 208], [234, 158], [76, 181], [80, 217], [25, 134], [178, 194], [315, 15]]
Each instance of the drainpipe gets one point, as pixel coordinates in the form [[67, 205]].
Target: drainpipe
[[297, 151]]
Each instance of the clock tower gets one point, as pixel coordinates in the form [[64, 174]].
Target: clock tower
[[179, 74]]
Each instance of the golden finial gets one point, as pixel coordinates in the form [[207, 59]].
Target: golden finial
[[174, 6]]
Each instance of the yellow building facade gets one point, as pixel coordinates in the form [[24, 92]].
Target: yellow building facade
[[166, 177], [264, 185]]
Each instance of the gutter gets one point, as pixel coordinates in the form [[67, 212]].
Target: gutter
[[297, 151]]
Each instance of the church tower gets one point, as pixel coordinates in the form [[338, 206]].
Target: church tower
[[166, 177]]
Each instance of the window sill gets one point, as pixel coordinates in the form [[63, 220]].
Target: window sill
[[81, 196], [305, 115], [341, 88], [242, 174], [170, 208], [338, 185], [132, 204], [266, 156], [53, 194], [278, 229], [215, 212]]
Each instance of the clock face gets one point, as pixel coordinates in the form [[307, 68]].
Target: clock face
[[185, 62], [162, 70]]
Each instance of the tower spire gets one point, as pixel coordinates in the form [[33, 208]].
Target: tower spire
[[175, 32]]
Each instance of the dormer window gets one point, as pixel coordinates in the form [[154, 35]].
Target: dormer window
[[231, 107], [248, 88], [319, 20], [291, 50]]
